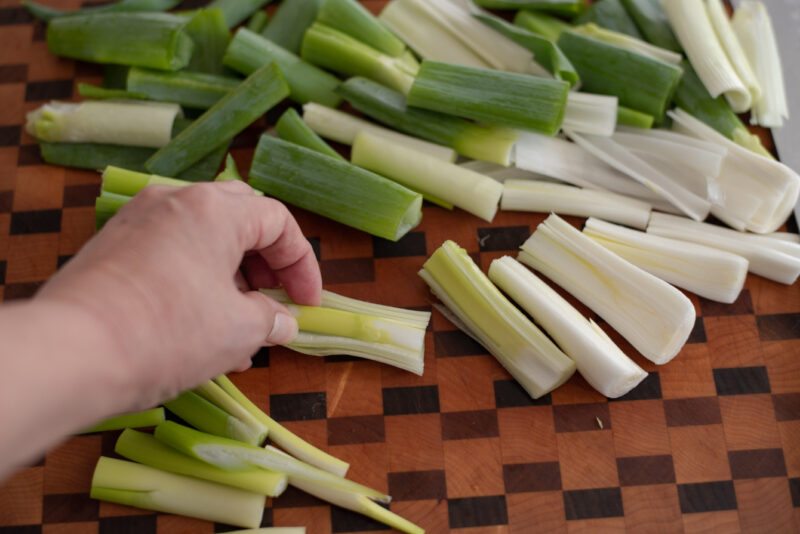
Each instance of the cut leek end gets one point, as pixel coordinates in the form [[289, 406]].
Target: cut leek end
[[750, 141], [135, 420], [493, 143]]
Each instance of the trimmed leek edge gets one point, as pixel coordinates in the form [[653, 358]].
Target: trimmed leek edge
[[590, 113], [141, 486], [128, 183], [630, 42], [598, 359], [733, 48], [214, 394], [291, 127], [531, 358], [130, 420], [652, 315], [705, 271], [208, 417], [231, 172]]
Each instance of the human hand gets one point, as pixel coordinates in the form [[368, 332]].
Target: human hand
[[160, 278]]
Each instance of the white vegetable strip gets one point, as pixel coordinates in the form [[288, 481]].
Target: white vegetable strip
[[501, 173], [543, 197], [652, 315], [630, 43], [784, 236], [591, 114], [692, 25], [708, 272], [598, 359], [767, 258]]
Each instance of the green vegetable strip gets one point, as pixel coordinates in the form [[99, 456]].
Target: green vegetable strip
[[561, 7], [86, 90], [155, 40], [191, 89], [147, 450], [637, 119], [230, 172], [653, 23], [290, 22], [258, 21], [106, 206], [487, 143], [545, 52], [132, 420], [334, 189], [232, 114], [292, 128], [352, 18], [640, 83], [610, 14], [249, 51], [207, 417], [210, 34], [503, 98], [237, 11], [129, 183], [47, 14], [337, 51], [541, 24]]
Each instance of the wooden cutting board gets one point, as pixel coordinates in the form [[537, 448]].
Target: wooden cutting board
[[708, 443]]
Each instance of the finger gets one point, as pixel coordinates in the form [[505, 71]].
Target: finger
[[244, 366], [241, 282], [274, 324], [257, 273]]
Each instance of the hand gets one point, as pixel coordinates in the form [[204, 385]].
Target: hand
[[160, 278]]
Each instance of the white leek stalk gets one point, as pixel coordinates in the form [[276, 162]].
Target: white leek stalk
[[629, 42], [705, 271], [543, 197], [531, 358], [784, 236], [501, 173], [692, 25], [652, 315], [768, 257], [591, 114], [753, 27], [343, 128], [598, 359]]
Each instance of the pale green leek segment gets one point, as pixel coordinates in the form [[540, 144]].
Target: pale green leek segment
[[106, 206], [610, 14], [288, 25], [141, 486], [352, 18], [86, 90], [290, 127], [636, 119], [131, 420], [47, 14], [258, 22], [541, 24], [630, 43], [531, 358], [206, 416], [128, 183], [211, 36], [190, 89], [215, 395], [237, 11], [653, 23]]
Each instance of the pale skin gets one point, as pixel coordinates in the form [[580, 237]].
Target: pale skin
[[156, 303]]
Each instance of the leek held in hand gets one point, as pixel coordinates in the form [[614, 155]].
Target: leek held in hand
[[131, 420], [205, 416]]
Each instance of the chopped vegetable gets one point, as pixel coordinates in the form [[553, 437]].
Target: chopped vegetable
[[561, 7], [630, 43], [290, 127], [288, 25], [191, 89], [86, 90], [352, 18], [106, 206], [237, 11], [541, 24], [610, 14], [128, 183], [258, 21], [47, 13], [206, 416], [130, 420], [653, 23], [211, 36], [631, 117], [591, 114], [230, 172]]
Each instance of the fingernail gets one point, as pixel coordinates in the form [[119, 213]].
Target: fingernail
[[284, 329]]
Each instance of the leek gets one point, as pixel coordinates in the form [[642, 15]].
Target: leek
[[191, 89], [502, 98], [705, 271], [47, 13], [597, 358], [213, 393], [352, 18], [229, 116], [86, 90], [141, 486], [444, 181], [610, 14], [237, 11], [131, 420], [541, 24], [630, 43], [768, 257], [206, 416], [249, 51], [290, 127], [343, 128], [258, 22], [531, 358], [155, 40], [133, 123], [652, 315], [124, 182], [290, 22], [145, 449], [591, 114], [543, 197], [636, 119], [210, 34], [561, 7], [334, 189], [488, 143], [653, 23], [106, 206], [501, 174], [230, 172]]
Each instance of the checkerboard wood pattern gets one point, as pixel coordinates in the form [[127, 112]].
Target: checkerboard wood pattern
[[708, 443]]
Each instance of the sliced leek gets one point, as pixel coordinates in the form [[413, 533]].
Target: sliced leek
[[237, 11], [290, 22], [214, 394], [206, 416], [352, 18], [561, 7], [290, 127], [630, 43], [541, 24], [612, 15], [210, 34], [131, 420], [591, 114], [653, 23], [191, 89], [47, 14]]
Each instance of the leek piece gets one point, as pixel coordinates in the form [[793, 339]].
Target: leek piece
[[334, 189], [653, 23], [337, 51], [560, 7], [541, 24], [543, 197], [106, 206], [141, 486], [155, 40], [544, 50], [211, 36], [191, 89], [767, 257], [115, 76], [502, 98], [249, 51], [237, 11], [531, 358], [343, 128], [610, 14], [591, 114], [229, 116], [652, 315], [147, 450], [128, 183], [445, 181], [290, 127], [630, 43], [501, 174], [290, 22], [214, 394], [753, 28], [640, 82], [230, 172], [597, 358], [86, 90], [488, 143], [258, 21], [132, 123], [277, 433], [708, 272], [631, 117], [206, 416], [784, 236], [692, 25], [352, 18], [47, 13], [131, 420]]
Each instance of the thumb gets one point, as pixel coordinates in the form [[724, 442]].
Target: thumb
[[278, 325]]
